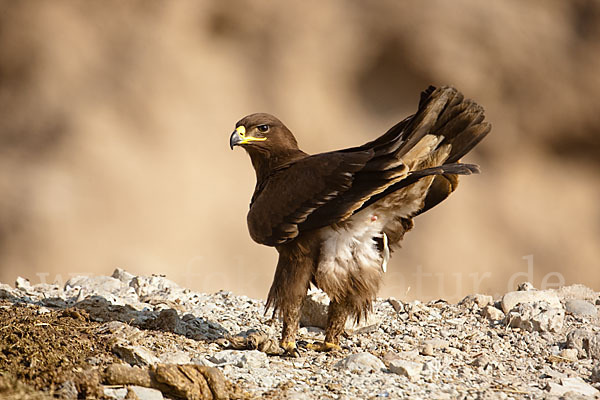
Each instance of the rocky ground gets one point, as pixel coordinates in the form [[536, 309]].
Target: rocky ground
[[129, 336]]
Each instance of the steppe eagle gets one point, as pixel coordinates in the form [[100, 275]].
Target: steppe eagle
[[335, 217]]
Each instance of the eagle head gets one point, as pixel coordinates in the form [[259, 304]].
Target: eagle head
[[262, 133]]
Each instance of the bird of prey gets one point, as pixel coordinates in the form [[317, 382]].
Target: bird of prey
[[335, 217]]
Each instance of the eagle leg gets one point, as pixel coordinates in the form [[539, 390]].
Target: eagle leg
[[290, 284], [336, 321]]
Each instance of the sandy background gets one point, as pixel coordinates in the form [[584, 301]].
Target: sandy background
[[115, 119]]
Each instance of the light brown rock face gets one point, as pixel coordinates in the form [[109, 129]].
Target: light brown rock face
[[114, 120]]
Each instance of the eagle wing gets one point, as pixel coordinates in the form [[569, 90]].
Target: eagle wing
[[327, 188]]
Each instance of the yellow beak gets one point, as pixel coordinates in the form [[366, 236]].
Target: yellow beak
[[238, 137]]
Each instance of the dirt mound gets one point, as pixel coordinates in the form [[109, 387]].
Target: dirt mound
[[44, 350]]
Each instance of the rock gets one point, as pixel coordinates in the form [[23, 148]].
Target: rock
[[178, 357], [167, 321], [585, 342], [595, 375], [361, 363], [240, 358], [22, 284], [67, 390], [314, 313], [580, 307], [409, 369], [525, 286], [427, 349], [511, 299], [481, 300], [6, 292], [569, 354], [492, 313], [96, 284], [122, 275], [540, 317], [398, 306], [144, 393], [135, 355], [150, 285], [115, 393], [576, 385], [576, 291]]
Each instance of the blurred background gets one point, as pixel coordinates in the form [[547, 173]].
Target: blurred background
[[115, 119]]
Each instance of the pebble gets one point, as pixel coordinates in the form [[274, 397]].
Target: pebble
[[536, 317], [481, 300], [135, 355], [314, 313], [240, 358], [569, 354], [576, 385], [144, 393], [586, 343], [427, 349], [511, 299], [178, 357], [492, 313], [580, 307], [409, 369], [115, 393], [595, 375], [361, 363]]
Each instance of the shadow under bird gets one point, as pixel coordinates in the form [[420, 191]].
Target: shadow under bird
[[336, 217]]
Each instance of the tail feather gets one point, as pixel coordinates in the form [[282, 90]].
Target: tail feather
[[443, 112]]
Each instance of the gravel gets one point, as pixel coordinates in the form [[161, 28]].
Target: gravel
[[536, 346]]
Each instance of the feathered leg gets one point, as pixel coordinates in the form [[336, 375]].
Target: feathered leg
[[290, 284], [336, 321]]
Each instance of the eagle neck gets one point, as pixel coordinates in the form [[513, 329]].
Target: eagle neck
[[266, 163]]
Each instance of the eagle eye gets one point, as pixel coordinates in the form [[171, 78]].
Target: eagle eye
[[262, 128]]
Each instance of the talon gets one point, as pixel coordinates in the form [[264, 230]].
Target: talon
[[290, 349], [323, 347]]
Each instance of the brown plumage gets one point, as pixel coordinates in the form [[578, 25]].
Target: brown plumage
[[334, 217]]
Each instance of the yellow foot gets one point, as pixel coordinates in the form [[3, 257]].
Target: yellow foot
[[323, 347], [290, 349]]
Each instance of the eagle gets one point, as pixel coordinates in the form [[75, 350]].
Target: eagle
[[335, 217]]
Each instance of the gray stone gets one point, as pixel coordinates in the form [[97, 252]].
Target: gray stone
[[22, 284], [427, 349], [540, 317], [409, 369], [595, 376], [525, 286], [580, 307], [115, 393], [576, 291], [6, 292], [481, 300], [576, 385], [314, 313], [149, 285], [178, 357], [67, 390], [492, 313], [122, 275], [569, 354], [585, 342], [398, 306], [511, 299], [361, 363], [135, 355], [144, 393], [241, 358]]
